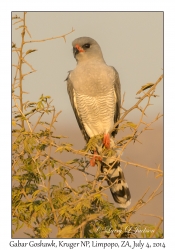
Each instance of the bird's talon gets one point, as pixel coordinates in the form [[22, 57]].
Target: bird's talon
[[95, 157]]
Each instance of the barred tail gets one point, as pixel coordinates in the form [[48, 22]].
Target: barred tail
[[119, 189]]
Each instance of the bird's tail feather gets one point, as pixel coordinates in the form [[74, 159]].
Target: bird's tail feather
[[116, 181]]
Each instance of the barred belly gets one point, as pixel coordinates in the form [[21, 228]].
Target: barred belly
[[97, 113]]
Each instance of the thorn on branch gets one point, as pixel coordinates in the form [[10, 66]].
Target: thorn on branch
[[64, 38]]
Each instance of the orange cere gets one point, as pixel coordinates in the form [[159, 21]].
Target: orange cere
[[80, 49]]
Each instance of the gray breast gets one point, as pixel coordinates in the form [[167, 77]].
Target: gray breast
[[92, 79], [93, 85]]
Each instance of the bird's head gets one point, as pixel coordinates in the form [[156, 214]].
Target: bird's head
[[86, 48]]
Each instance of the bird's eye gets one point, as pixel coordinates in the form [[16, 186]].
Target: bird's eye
[[87, 45]]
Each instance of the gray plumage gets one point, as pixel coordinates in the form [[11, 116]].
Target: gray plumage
[[94, 91]]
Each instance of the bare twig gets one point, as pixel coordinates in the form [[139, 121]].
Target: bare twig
[[158, 225], [136, 105], [20, 69], [51, 38], [142, 203]]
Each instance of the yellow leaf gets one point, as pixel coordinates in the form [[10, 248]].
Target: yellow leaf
[[131, 124], [67, 232], [13, 123]]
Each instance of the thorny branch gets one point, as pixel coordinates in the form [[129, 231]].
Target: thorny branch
[[158, 225], [19, 72], [122, 144], [136, 106]]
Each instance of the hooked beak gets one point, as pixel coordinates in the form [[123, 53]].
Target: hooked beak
[[77, 49]]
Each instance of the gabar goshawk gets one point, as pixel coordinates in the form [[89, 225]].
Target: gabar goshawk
[[95, 96]]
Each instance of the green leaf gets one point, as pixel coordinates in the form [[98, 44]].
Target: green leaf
[[40, 105], [144, 87], [92, 143], [70, 175], [73, 161], [15, 17], [36, 193], [124, 139], [58, 136], [30, 51], [131, 124], [64, 147]]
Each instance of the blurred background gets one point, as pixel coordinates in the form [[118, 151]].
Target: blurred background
[[132, 42]]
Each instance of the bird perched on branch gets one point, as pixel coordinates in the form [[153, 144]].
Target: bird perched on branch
[[94, 91]]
